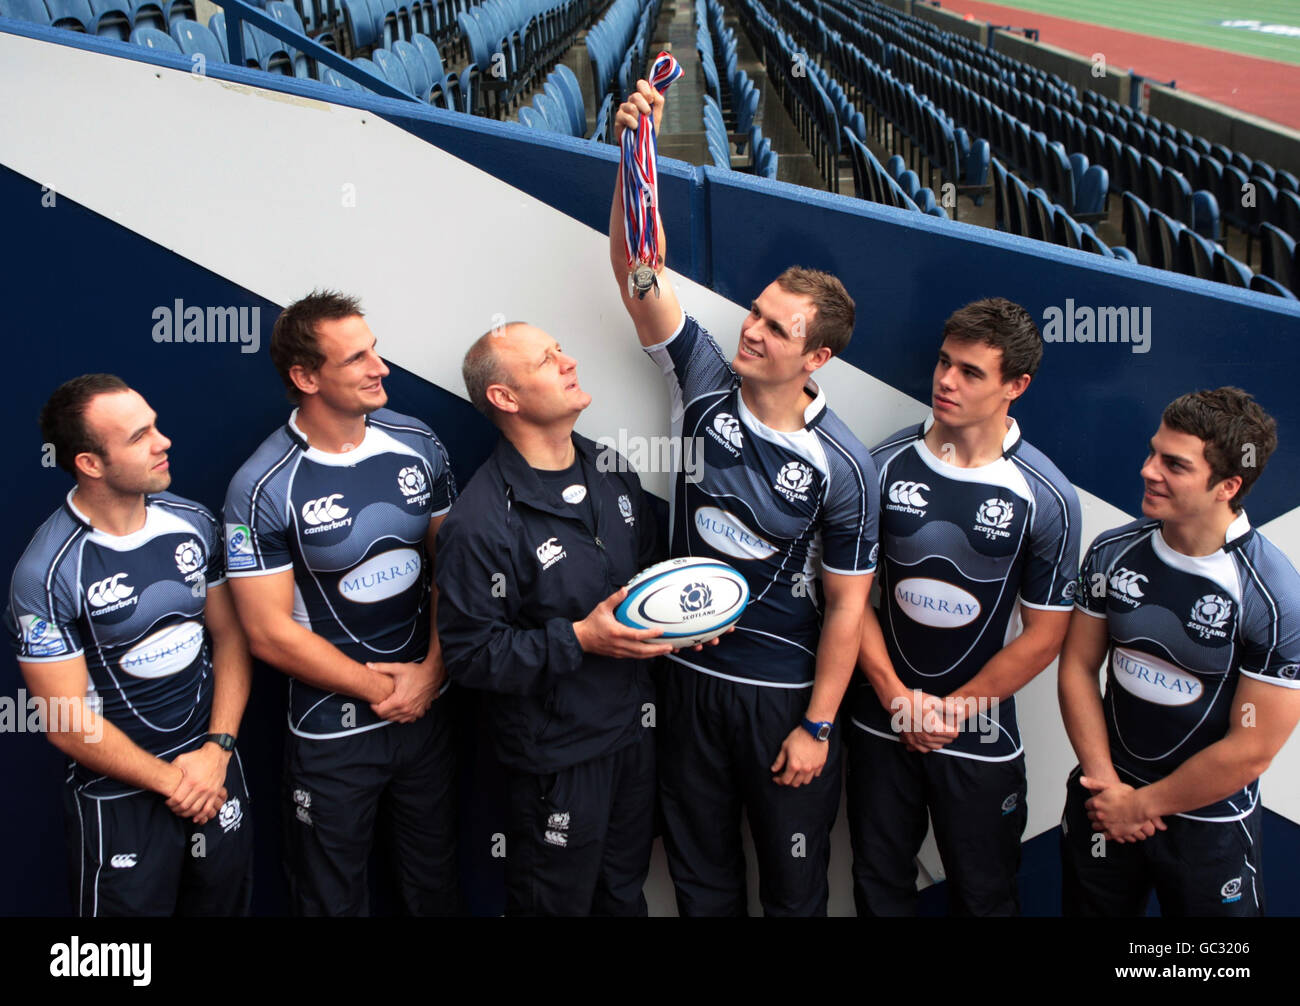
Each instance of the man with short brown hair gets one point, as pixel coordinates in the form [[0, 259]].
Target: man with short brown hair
[[1194, 613], [330, 530]]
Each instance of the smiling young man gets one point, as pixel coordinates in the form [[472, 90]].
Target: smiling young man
[[788, 496], [973, 520], [124, 628], [531, 565], [1194, 613], [330, 530]]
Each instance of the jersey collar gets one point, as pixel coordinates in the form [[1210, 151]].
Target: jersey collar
[[1009, 443], [347, 459], [811, 415]]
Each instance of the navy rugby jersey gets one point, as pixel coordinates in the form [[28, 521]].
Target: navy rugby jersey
[[778, 506], [132, 606], [1182, 630], [959, 546], [352, 528]]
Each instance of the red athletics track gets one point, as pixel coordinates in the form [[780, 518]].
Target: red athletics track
[[1262, 87]]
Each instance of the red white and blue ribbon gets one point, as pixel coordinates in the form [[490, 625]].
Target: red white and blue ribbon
[[639, 176]]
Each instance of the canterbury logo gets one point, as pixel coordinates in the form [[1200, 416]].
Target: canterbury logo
[[909, 493], [728, 426], [1126, 582], [122, 861], [109, 591], [324, 510]]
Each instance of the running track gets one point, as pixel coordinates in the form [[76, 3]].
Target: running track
[[1262, 87]]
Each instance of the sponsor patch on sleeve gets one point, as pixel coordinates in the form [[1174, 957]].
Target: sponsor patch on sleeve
[[239, 547], [41, 638]]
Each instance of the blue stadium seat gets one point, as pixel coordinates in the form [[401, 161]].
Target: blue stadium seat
[[417, 70], [570, 82], [330, 76], [195, 38], [1090, 194], [1164, 242], [1066, 230], [25, 10], [148, 14], [1205, 214], [1042, 216], [74, 15], [1089, 242], [533, 119], [1121, 252], [392, 69], [1001, 207], [560, 96], [1287, 182], [1137, 226], [218, 25], [152, 38], [1228, 270], [1231, 195], [1022, 220], [290, 18], [1277, 255], [1196, 255], [1262, 284], [112, 19], [556, 117], [358, 24]]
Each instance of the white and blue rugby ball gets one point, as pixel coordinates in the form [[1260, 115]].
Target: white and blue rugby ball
[[691, 599]]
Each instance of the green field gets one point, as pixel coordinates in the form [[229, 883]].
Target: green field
[[1194, 21]]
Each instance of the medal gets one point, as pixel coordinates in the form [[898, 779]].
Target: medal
[[638, 176]]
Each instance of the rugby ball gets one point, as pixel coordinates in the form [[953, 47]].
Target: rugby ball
[[691, 599]]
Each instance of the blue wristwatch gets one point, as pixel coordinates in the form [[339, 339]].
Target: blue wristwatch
[[820, 731]]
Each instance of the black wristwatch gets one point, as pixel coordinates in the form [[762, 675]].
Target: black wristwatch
[[224, 741]]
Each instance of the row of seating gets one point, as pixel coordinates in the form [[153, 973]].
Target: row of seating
[[730, 109], [1158, 240], [1136, 149], [612, 41], [512, 42], [872, 182], [558, 107], [1031, 213], [105, 18], [416, 68], [360, 24]]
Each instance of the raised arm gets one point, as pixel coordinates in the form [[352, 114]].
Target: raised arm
[[655, 318]]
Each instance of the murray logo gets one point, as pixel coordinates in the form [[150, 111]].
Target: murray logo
[[726, 431], [793, 481], [550, 552], [993, 518], [110, 594], [1209, 615], [625, 508], [1130, 325], [413, 484], [1126, 585], [325, 514], [696, 597], [178, 323], [189, 558], [905, 497]]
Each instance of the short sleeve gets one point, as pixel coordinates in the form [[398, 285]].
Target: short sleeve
[[1270, 622], [1050, 577], [851, 521], [42, 615], [441, 477], [1090, 587], [692, 363], [257, 536]]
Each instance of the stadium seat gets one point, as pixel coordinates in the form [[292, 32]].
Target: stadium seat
[[1277, 255], [1042, 214], [1262, 284], [1228, 270], [1205, 214], [1090, 194], [417, 70], [1120, 251], [1164, 245], [152, 38], [1065, 231], [533, 119], [358, 24], [195, 38], [1089, 242], [1022, 220], [113, 19], [332, 77], [25, 10], [148, 14], [74, 15], [218, 25], [556, 117], [290, 18], [1288, 212], [1231, 195], [1000, 202], [564, 77], [1196, 255], [390, 66]]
